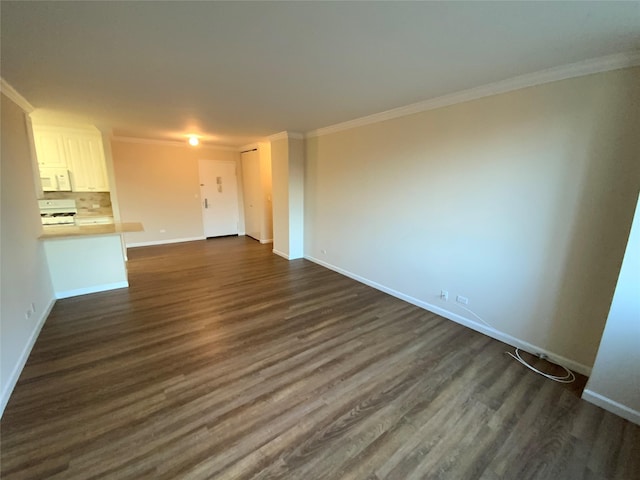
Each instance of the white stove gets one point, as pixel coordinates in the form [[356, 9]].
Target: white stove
[[58, 212]]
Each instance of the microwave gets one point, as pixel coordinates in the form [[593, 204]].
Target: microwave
[[55, 180]]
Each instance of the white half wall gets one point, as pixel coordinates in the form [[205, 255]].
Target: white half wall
[[86, 264], [520, 202], [615, 379], [27, 293]]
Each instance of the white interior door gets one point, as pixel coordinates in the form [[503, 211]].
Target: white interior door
[[252, 193], [219, 197]]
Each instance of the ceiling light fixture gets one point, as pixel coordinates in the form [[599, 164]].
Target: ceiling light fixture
[[193, 140]]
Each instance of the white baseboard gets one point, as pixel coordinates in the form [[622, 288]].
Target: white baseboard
[[163, 242], [24, 355], [92, 289], [491, 332], [611, 406], [266, 240], [283, 255]]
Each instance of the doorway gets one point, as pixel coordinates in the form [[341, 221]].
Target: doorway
[[219, 198]]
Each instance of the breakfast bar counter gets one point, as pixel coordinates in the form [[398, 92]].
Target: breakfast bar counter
[[63, 231]]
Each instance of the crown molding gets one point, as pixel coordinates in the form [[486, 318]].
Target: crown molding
[[14, 96], [169, 143], [578, 69], [278, 136], [295, 135], [286, 135]]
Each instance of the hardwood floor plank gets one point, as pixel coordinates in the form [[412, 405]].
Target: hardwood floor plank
[[222, 360], [604, 456], [376, 366]]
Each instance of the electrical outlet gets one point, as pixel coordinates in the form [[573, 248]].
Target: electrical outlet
[[462, 300], [444, 295]]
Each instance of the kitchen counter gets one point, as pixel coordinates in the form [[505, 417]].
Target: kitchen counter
[[64, 231]]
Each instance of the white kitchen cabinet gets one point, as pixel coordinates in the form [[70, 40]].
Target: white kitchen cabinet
[[50, 148], [87, 163], [78, 150]]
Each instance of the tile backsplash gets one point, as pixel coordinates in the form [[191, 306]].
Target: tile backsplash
[[86, 201]]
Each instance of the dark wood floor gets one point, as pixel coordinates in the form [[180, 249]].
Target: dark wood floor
[[223, 360]]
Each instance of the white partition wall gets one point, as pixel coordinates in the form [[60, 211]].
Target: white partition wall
[[287, 152], [615, 379]]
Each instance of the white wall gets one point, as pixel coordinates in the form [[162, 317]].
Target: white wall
[[615, 380], [113, 187], [287, 158], [158, 185], [257, 191], [266, 232], [24, 277], [520, 202], [296, 198], [280, 169]]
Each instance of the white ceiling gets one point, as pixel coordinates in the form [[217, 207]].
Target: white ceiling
[[237, 72]]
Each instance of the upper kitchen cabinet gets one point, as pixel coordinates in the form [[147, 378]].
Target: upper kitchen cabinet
[[50, 148], [78, 150], [87, 163]]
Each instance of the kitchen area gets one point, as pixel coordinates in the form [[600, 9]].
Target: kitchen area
[[83, 243], [72, 208]]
